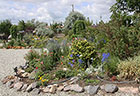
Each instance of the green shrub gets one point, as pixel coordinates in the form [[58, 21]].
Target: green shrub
[[130, 69], [79, 26], [64, 74], [111, 66], [28, 39], [13, 31], [60, 74], [91, 81], [21, 25], [5, 27], [31, 55], [121, 41], [56, 27], [40, 42], [12, 42], [82, 54], [124, 42], [71, 19], [42, 30], [47, 63]]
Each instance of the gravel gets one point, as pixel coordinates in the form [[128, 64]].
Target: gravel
[[10, 58]]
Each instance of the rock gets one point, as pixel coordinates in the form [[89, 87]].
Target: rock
[[7, 78], [20, 71], [74, 80], [60, 88], [16, 79], [35, 91], [46, 90], [18, 86], [25, 75], [76, 88], [34, 85], [11, 86], [92, 90], [111, 88], [31, 86], [52, 89], [102, 87], [56, 85], [9, 83], [67, 88], [24, 87], [49, 86], [65, 84]]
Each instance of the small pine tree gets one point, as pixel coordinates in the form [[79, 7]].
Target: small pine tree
[[79, 26], [13, 31], [72, 18]]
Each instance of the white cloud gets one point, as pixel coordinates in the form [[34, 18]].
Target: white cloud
[[57, 10]]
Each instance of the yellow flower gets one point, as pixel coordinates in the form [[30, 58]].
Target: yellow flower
[[43, 80], [40, 78]]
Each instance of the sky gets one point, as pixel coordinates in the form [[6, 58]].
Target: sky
[[54, 10]]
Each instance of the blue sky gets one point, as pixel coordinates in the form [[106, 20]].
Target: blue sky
[[53, 10]]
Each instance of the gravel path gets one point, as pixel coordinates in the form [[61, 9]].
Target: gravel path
[[10, 58]]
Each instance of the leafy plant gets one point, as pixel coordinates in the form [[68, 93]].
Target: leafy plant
[[13, 31], [129, 69], [71, 19], [82, 54], [44, 79], [79, 26], [56, 27], [43, 30], [32, 54], [64, 74], [92, 81], [111, 66], [21, 25], [5, 27]]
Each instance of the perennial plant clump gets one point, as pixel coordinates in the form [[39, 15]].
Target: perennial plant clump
[[130, 69], [82, 54]]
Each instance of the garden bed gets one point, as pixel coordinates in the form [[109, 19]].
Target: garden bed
[[79, 82]]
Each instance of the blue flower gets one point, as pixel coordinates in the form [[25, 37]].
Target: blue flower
[[77, 55], [105, 57], [104, 41], [80, 61], [70, 64], [71, 55], [73, 60]]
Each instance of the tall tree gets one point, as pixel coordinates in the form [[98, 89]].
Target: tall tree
[[129, 5], [5, 27]]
